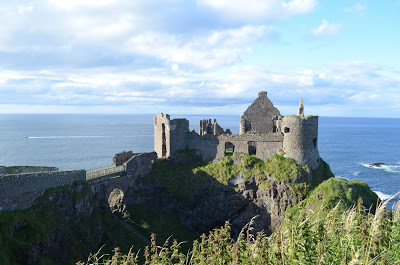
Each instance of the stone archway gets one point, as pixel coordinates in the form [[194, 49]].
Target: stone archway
[[115, 201]]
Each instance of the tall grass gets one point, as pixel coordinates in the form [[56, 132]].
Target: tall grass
[[356, 236]]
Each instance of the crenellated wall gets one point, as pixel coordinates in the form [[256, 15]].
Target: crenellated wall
[[19, 191]]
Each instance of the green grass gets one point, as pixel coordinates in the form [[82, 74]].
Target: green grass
[[183, 180], [355, 236], [335, 192], [163, 225]]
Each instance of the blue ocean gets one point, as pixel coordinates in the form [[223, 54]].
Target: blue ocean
[[79, 141]]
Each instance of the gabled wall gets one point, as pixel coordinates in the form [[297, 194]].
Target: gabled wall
[[258, 116]]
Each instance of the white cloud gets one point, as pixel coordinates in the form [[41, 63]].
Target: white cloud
[[258, 10], [374, 90], [216, 49], [326, 29], [70, 4], [356, 8]]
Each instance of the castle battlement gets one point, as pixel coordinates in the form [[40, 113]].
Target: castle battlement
[[264, 132]]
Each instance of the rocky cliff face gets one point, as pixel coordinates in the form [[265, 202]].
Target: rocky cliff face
[[64, 226], [211, 207], [212, 203]]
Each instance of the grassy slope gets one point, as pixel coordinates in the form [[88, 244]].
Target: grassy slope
[[183, 180]]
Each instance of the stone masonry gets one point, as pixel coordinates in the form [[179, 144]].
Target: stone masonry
[[19, 191], [263, 133], [259, 116]]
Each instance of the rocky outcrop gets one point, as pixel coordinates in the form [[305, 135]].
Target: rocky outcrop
[[210, 207], [64, 226]]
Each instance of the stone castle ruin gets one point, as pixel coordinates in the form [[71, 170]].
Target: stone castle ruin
[[264, 132]]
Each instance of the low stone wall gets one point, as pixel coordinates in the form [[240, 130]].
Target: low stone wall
[[19, 191], [25, 169], [140, 164]]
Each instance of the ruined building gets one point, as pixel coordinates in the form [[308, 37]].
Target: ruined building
[[264, 132]]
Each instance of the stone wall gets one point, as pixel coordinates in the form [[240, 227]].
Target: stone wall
[[139, 165], [301, 139], [161, 135], [179, 130], [19, 191], [25, 169], [265, 145], [169, 135], [213, 147], [207, 145], [258, 116], [120, 158]]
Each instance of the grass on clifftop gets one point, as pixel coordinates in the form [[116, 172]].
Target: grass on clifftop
[[184, 180], [355, 236], [335, 192]]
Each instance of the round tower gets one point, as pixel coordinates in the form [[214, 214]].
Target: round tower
[[300, 140]]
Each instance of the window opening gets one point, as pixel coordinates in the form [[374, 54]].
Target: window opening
[[252, 148], [229, 148], [164, 141]]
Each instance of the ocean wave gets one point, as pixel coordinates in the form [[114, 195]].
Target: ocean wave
[[356, 173], [65, 137], [382, 195], [387, 168]]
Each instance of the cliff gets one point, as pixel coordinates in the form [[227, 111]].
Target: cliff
[[205, 195], [68, 223]]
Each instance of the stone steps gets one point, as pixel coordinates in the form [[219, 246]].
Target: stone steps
[[134, 231]]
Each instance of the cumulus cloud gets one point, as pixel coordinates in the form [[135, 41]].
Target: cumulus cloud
[[340, 85], [258, 10], [326, 29], [212, 50]]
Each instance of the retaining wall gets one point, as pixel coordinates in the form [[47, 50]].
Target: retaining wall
[[25, 169], [19, 191]]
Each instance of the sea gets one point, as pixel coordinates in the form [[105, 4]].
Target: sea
[[82, 141]]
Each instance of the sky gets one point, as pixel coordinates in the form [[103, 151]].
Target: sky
[[200, 56]]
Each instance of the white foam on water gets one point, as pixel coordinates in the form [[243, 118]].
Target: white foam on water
[[382, 195], [392, 169], [65, 137], [387, 168], [356, 173]]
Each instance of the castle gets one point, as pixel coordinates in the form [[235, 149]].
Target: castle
[[264, 132]]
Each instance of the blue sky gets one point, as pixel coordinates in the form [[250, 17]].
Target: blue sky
[[200, 56]]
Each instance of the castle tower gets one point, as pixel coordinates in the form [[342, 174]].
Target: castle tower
[[301, 139], [162, 135], [169, 135], [259, 116]]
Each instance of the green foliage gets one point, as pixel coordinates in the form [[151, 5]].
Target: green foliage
[[355, 236], [183, 180], [335, 192], [322, 173], [24, 232], [284, 169], [164, 225]]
